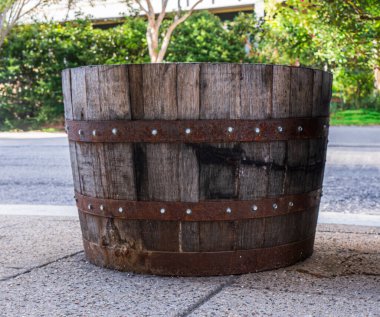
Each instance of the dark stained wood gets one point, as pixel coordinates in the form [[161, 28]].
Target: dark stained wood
[[193, 172], [78, 93], [297, 160], [158, 171], [318, 109], [326, 93], [301, 92], [219, 163], [276, 181], [281, 92], [136, 90], [256, 103], [254, 171], [220, 91], [265, 95], [216, 236], [256, 91], [188, 168], [250, 234]]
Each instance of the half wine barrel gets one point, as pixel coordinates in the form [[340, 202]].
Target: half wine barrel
[[197, 169]]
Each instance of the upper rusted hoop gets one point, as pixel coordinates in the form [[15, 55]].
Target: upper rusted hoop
[[196, 131]]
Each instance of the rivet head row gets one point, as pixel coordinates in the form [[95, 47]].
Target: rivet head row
[[189, 211], [257, 130]]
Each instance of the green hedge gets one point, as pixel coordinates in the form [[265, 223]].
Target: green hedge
[[34, 56]]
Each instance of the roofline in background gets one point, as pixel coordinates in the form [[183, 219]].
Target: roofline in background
[[119, 20]]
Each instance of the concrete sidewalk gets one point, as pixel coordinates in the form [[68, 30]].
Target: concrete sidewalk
[[43, 273]]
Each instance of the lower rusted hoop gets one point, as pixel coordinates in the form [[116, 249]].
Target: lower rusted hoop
[[197, 131], [198, 211], [198, 263]]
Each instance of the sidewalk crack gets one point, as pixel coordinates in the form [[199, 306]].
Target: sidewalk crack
[[210, 295], [39, 266]]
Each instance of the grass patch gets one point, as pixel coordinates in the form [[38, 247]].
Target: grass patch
[[355, 117]]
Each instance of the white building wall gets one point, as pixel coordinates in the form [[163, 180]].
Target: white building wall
[[113, 9]]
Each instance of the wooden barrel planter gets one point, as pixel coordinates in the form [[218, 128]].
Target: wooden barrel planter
[[197, 169]]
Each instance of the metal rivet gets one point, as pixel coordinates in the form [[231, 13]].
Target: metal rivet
[[188, 211], [299, 129], [121, 209], [114, 131], [188, 131], [162, 210], [291, 204], [274, 206], [280, 128], [257, 130], [254, 208], [101, 207], [80, 132], [230, 129], [154, 132], [94, 132], [228, 210], [89, 206]]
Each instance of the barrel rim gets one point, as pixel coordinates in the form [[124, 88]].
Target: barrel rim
[[200, 63]]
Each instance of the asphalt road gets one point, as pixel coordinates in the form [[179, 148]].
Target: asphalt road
[[35, 169]]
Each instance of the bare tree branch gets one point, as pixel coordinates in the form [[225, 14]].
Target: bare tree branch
[[142, 7], [161, 16], [169, 32]]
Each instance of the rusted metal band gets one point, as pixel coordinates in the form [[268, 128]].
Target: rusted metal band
[[198, 211], [198, 263], [196, 131]]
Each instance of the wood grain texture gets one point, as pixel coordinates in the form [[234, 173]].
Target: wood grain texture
[[188, 178], [256, 91], [281, 92], [157, 168], [219, 163], [301, 92], [193, 172], [67, 99]]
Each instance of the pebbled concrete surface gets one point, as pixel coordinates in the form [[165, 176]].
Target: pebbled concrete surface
[[28, 242], [342, 278], [35, 169]]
